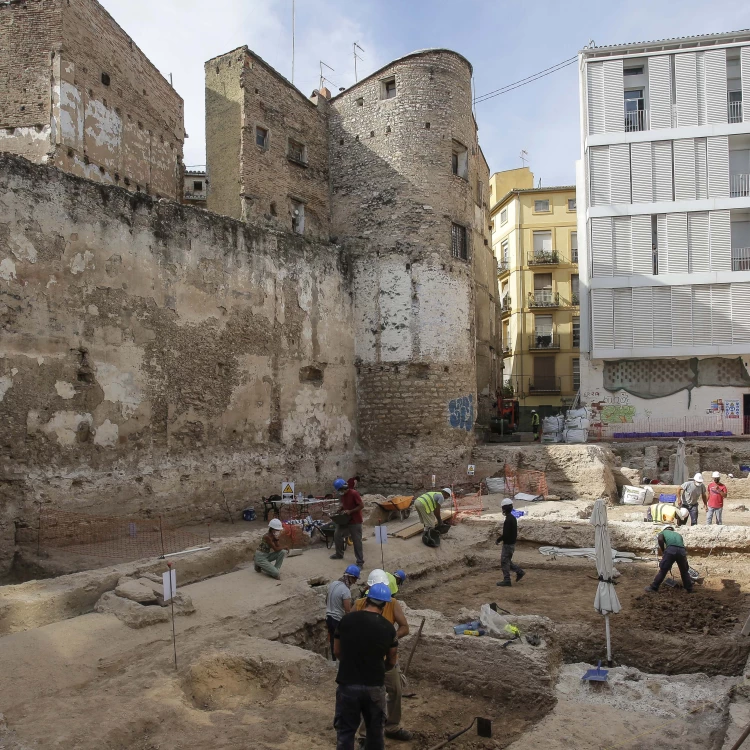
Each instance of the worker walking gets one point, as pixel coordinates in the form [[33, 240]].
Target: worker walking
[[270, 553], [673, 551], [535, 424], [508, 540], [427, 506], [667, 513], [394, 613], [366, 645], [351, 505], [339, 601], [717, 493], [690, 494]]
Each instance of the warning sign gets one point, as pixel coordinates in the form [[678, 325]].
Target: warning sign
[[470, 470], [287, 491]]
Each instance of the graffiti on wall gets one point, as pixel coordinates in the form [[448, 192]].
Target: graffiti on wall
[[461, 413], [732, 408], [617, 413]]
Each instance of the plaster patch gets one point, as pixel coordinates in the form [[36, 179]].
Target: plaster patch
[[107, 434], [119, 387], [22, 248], [314, 422], [7, 269], [81, 261], [52, 280], [5, 383], [93, 310], [64, 426], [65, 390]]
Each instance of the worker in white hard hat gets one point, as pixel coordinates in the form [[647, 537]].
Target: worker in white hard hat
[[717, 493], [427, 506], [535, 424], [271, 552], [690, 494], [394, 613], [508, 540]]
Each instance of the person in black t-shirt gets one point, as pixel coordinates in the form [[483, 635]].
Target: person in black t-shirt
[[363, 642], [508, 540]]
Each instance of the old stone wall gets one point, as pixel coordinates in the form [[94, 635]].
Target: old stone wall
[[89, 101], [156, 358]]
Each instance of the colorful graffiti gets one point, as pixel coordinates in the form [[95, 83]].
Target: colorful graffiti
[[732, 408], [461, 413], [616, 413]]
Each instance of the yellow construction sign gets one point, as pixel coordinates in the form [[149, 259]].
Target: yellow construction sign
[[287, 490]]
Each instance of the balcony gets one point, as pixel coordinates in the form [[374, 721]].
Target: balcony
[[543, 340], [505, 307], [635, 121], [503, 267], [739, 185], [507, 350], [574, 255], [544, 258], [545, 384], [575, 299], [544, 298], [734, 111], [741, 258]]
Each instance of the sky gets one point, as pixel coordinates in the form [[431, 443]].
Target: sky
[[504, 41]]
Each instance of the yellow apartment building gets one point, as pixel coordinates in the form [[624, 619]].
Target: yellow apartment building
[[535, 242]]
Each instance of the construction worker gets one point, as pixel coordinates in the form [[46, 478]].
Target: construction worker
[[394, 613], [366, 646], [395, 580], [270, 553], [508, 540], [535, 424], [717, 493], [673, 551], [689, 494], [667, 513], [339, 600], [351, 505], [427, 506]]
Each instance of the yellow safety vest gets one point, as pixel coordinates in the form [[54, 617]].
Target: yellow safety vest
[[428, 501], [663, 512]]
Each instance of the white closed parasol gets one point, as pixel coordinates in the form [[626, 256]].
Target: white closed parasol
[[605, 602]]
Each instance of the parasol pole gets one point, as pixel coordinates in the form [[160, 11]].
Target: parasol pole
[[609, 643]]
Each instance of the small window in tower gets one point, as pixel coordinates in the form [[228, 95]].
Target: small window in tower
[[459, 242], [388, 88], [297, 151], [571, 204], [298, 217], [105, 79], [460, 160], [261, 137], [636, 71], [198, 187], [504, 216]]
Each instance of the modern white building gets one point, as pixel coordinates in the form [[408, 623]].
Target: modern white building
[[664, 235]]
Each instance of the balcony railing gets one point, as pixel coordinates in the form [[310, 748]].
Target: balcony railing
[[544, 298], [544, 384], [739, 185], [544, 340], [575, 299], [574, 255], [635, 121], [741, 258], [544, 258], [734, 111], [503, 266], [507, 349], [505, 307]]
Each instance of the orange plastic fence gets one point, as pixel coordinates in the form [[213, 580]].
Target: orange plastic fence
[[525, 480], [467, 505]]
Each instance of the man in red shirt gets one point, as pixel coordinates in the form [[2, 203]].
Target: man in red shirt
[[351, 505], [716, 494]]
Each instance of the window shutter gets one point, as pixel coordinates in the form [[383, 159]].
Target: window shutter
[[601, 246], [661, 242], [698, 246], [660, 92], [662, 306], [684, 169], [623, 312], [701, 173], [640, 169], [745, 66], [614, 97], [599, 172], [682, 318], [700, 88], [686, 87], [641, 242], [643, 317], [622, 251], [619, 170], [721, 311], [740, 313], [720, 240], [717, 158], [662, 170], [702, 315], [677, 243], [716, 85], [595, 95], [602, 319]]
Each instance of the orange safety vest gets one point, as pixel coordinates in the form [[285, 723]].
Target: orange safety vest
[[389, 611]]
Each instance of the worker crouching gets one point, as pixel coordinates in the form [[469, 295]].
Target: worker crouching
[[673, 551], [271, 553], [427, 506]]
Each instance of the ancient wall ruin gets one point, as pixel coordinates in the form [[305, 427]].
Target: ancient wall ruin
[[155, 356]]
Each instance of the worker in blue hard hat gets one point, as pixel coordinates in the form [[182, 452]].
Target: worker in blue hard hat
[[365, 644], [351, 506], [339, 600], [395, 581]]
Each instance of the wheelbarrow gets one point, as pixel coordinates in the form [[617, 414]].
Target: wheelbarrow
[[329, 530], [397, 507]]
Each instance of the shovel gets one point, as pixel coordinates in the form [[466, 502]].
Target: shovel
[[596, 675]]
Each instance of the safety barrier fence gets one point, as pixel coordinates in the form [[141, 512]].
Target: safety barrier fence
[[528, 481], [668, 427]]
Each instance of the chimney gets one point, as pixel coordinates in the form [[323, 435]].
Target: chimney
[[324, 92]]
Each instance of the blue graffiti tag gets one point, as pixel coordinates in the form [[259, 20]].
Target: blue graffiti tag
[[461, 412]]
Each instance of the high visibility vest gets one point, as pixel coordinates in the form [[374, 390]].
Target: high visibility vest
[[392, 584], [672, 539], [428, 501], [663, 512], [388, 610]]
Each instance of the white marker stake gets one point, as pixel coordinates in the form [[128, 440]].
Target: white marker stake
[[169, 582], [381, 535]]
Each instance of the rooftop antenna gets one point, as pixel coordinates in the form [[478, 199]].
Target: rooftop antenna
[[524, 155], [322, 77], [293, 9], [356, 47]]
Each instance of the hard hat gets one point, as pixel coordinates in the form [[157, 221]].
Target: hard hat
[[275, 524], [339, 484], [377, 576], [683, 513], [698, 478], [400, 574], [352, 571], [716, 475], [668, 528], [533, 411], [447, 490], [505, 503], [379, 592]]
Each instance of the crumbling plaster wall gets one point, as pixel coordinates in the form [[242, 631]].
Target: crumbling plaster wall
[[154, 356]]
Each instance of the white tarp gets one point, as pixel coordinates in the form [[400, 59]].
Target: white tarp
[[587, 552]]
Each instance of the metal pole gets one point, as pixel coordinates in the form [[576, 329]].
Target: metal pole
[[293, 9], [609, 643], [39, 531], [161, 535]]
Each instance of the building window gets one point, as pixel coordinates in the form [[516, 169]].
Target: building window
[[576, 374], [261, 137], [504, 216], [543, 252], [298, 217], [576, 333], [479, 195], [571, 204], [634, 110], [198, 187], [105, 79], [297, 151], [504, 255], [460, 160], [575, 299], [459, 243], [541, 207], [388, 88], [574, 247], [633, 71]]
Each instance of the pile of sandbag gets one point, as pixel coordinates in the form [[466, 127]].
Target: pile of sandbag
[[576, 428], [553, 428]]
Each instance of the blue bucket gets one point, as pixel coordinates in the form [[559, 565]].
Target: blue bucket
[[248, 514]]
